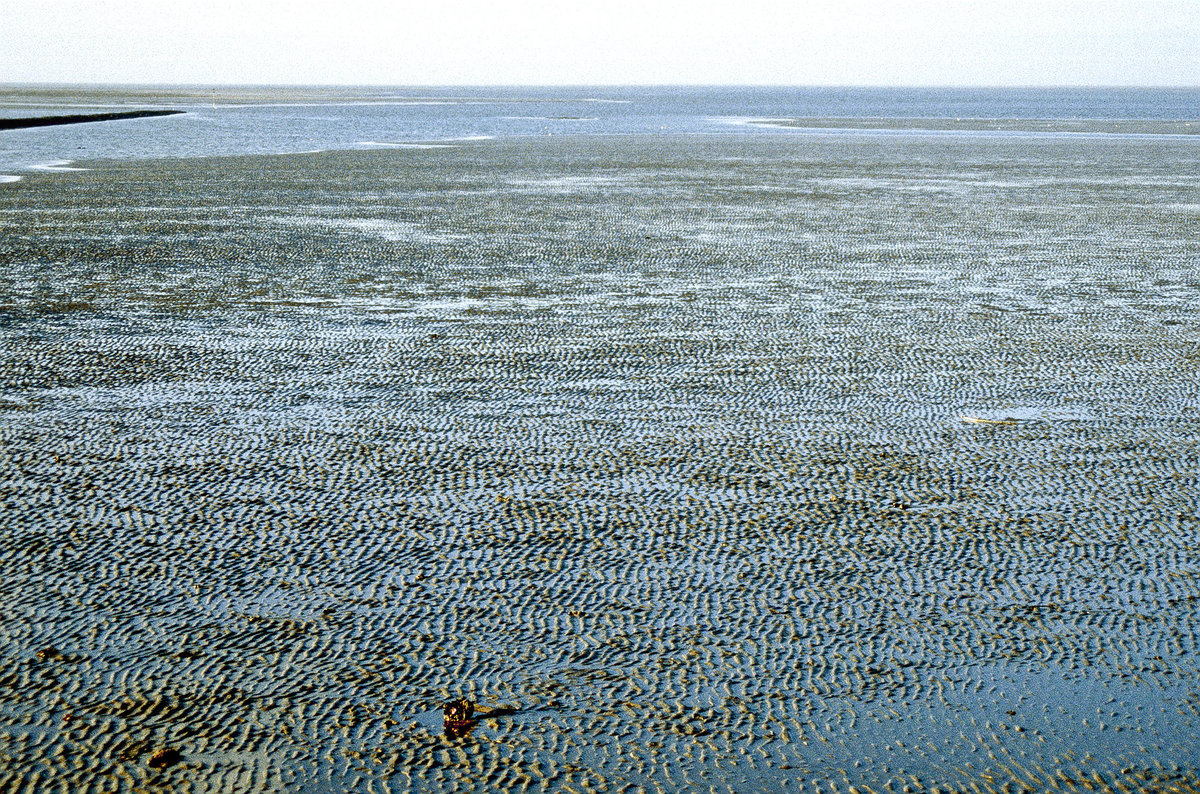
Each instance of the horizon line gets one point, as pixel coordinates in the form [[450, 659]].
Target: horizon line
[[218, 84]]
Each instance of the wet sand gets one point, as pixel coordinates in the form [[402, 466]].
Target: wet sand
[[1051, 126], [667, 444]]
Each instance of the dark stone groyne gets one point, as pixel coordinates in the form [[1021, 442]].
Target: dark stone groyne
[[81, 118]]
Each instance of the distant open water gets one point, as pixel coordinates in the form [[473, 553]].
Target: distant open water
[[247, 120]]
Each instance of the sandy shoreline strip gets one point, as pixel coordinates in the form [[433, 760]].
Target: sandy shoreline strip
[[81, 118], [1089, 126]]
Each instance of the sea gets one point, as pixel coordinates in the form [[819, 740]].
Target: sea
[[222, 121]]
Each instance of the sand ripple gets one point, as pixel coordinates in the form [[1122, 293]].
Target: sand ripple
[[663, 449]]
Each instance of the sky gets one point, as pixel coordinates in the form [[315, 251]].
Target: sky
[[557, 42]]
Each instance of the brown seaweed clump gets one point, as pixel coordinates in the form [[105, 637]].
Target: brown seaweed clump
[[165, 758], [458, 717]]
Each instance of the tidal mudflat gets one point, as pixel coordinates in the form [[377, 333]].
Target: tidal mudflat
[[743, 463]]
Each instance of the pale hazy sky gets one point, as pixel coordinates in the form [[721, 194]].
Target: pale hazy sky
[[801, 42]]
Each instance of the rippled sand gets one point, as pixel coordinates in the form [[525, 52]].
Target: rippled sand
[[744, 463]]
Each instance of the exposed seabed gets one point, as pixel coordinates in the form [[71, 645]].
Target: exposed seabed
[[759, 463]]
